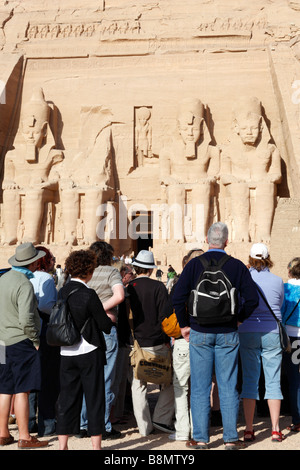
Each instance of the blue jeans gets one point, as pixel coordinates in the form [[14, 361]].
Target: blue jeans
[[254, 347], [111, 353], [209, 350]]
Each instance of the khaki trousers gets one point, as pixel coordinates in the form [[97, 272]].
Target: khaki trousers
[[164, 408]]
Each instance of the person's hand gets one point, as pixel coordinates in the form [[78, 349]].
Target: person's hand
[[185, 332]]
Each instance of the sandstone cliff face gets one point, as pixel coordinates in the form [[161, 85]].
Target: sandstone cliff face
[[118, 156]]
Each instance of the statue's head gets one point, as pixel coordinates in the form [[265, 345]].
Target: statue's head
[[35, 118], [189, 117], [248, 120], [143, 114]]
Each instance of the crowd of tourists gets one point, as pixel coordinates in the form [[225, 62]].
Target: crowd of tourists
[[222, 343]]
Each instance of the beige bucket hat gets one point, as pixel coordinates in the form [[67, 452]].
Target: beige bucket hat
[[25, 254]]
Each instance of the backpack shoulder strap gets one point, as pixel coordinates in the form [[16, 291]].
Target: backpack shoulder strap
[[223, 260], [205, 263], [213, 262]]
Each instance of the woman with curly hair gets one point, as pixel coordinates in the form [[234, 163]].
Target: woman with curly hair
[[82, 365]]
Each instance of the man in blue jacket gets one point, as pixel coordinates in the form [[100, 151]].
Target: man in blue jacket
[[214, 347]]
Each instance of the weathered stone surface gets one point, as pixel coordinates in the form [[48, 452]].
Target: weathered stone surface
[[113, 74]]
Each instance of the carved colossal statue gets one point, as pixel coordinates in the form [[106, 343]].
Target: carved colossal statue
[[251, 170], [89, 181], [30, 182], [143, 135], [189, 167]]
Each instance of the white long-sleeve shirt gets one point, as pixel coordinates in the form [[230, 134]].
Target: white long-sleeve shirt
[[45, 290]]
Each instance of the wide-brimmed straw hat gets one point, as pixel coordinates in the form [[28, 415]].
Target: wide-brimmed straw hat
[[145, 259], [25, 254]]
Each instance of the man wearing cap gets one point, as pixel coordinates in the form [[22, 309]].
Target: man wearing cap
[[214, 346], [148, 300], [19, 335]]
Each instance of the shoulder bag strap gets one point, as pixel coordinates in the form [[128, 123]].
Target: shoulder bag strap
[[267, 303], [70, 293], [265, 300], [292, 312], [87, 320]]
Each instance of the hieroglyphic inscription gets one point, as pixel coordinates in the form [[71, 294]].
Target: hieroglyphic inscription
[[67, 30]]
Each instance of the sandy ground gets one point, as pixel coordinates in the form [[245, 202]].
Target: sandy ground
[[159, 442]]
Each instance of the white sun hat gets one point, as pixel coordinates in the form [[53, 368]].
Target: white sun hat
[[145, 259]]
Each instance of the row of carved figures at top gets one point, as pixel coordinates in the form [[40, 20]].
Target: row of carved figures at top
[[122, 27], [66, 30], [249, 169]]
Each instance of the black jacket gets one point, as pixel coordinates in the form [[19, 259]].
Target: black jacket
[[148, 299], [85, 303]]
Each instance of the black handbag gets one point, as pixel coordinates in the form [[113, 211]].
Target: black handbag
[[283, 336], [61, 329]]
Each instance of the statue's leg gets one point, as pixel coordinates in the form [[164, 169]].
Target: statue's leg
[[240, 211], [264, 211], [92, 214], [175, 219], [33, 215], [70, 212], [201, 210], [10, 215]]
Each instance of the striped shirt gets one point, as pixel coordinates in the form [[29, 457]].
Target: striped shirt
[[103, 280]]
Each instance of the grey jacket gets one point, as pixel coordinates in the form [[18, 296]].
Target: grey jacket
[[19, 318]]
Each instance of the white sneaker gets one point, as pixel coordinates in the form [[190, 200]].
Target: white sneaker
[[173, 437]]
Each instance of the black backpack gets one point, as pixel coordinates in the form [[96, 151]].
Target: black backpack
[[61, 329], [214, 300]]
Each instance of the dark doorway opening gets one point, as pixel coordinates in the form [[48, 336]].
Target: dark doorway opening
[[142, 235]]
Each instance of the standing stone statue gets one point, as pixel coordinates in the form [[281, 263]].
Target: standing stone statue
[[251, 171], [30, 182], [143, 135], [189, 165]]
